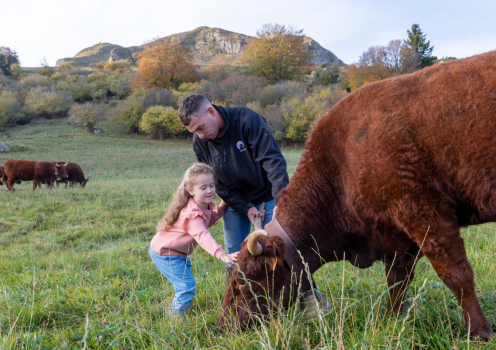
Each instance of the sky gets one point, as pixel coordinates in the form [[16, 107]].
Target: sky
[[55, 29]]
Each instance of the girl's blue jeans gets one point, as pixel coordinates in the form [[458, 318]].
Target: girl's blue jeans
[[177, 270]]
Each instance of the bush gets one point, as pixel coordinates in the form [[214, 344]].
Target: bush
[[275, 120], [326, 75], [131, 115], [239, 90], [76, 86], [210, 90], [160, 121], [302, 115], [157, 97], [9, 108], [87, 114], [49, 104]]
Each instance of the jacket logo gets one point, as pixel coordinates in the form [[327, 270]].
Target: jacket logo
[[241, 146]]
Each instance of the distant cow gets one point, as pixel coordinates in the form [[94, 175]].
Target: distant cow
[[39, 172], [75, 176], [4, 180]]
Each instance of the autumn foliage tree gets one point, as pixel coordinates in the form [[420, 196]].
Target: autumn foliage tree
[[165, 66], [277, 53], [381, 62]]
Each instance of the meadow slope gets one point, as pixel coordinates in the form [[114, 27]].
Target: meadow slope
[[75, 270]]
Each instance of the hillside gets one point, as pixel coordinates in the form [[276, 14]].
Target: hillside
[[94, 54], [204, 43]]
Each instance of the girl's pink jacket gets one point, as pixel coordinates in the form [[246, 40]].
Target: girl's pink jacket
[[189, 230]]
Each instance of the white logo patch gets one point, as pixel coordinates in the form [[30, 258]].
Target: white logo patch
[[241, 146]]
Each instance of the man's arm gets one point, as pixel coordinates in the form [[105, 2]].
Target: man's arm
[[266, 151]]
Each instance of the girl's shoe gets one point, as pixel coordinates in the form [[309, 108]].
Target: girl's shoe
[[176, 314]]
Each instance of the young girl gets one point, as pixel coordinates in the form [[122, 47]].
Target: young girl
[[183, 226]]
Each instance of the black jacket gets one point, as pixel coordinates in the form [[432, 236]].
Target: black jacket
[[248, 165]]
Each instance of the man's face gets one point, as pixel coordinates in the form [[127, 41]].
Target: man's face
[[205, 124]]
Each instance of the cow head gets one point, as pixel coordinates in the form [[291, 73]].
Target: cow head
[[260, 281], [85, 181], [61, 171]]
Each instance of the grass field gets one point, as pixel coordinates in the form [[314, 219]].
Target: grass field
[[75, 270]]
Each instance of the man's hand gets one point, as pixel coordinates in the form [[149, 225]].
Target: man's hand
[[253, 212]]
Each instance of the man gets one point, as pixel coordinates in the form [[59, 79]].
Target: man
[[247, 162], [249, 169]]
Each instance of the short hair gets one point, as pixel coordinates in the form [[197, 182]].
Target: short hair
[[190, 106]]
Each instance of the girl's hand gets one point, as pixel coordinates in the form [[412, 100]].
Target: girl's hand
[[229, 258]]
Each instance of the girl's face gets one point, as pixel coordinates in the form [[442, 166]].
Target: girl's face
[[204, 189]]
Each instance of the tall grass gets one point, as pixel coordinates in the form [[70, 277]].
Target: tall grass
[[75, 270]]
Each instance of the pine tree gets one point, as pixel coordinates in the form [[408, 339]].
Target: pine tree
[[417, 41]]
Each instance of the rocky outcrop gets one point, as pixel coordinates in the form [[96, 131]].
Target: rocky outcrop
[[4, 148], [203, 42], [320, 54]]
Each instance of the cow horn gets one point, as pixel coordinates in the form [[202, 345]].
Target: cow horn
[[66, 163], [254, 247]]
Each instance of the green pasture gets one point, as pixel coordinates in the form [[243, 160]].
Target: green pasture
[[75, 271]]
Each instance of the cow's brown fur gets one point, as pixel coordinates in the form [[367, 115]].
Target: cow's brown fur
[[39, 172], [3, 177], [75, 175], [391, 173]]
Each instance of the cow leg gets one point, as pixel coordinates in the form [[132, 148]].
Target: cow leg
[[10, 185], [400, 273], [35, 183], [436, 232]]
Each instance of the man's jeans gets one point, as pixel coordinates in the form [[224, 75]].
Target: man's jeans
[[177, 270], [237, 226]]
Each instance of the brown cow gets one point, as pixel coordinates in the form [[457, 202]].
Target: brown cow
[[39, 172], [75, 176], [390, 173], [3, 177]]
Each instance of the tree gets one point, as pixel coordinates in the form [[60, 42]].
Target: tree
[[382, 62], [417, 41], [218, 70], [8, 57], [46, 70], [277, 53], [159, 120], [165, 66], [87, 114]]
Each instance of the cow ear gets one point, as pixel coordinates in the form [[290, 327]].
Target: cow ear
[[274, 252]]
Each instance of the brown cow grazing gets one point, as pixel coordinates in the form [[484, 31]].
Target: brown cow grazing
[[390, 173], [39, 172], [75, 176], [3, 177]]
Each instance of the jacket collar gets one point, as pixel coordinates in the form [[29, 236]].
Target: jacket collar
[[225, 115]]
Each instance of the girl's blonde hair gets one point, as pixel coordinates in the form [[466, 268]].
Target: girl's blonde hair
[[181, 197]]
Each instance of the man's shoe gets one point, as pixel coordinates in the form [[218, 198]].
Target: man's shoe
[[312, 304], [176, 314]]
